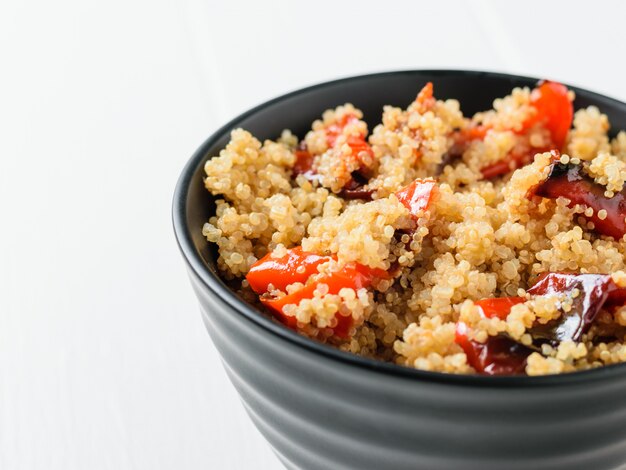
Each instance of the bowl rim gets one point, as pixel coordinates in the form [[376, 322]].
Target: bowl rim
[[217, 286]]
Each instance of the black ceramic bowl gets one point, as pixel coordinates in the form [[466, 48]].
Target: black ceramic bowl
[[324, 409]]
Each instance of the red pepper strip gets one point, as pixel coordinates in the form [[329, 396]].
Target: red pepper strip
[[497, 169], [477, 132], [334, 130], [295, 266], [425, 98], [498, 307], [513, 161], [355, 188], [554, 110], [499, 355], [353, 276], [358, 145], [417, 196], [568, 181], [304, 163], [596, 291]]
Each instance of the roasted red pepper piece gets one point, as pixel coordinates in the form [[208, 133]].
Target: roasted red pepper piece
[[515, 159], [355, 188], [499, 168], [499, 355], [425, 98], [569, 181], [334, 130], [474, 132], [304, 162], [358, 144], [295, 266], [554, 110], [498, 307], [595, 292], [353, 276], [418, 195]]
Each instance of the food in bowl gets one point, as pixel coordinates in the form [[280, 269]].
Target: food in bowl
[[491, 245]]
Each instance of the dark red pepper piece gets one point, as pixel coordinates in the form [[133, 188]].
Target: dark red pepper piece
[[355, 188], [425, 98], [569, 181], [304, 162], [513, 161], [596, 291], [499, 355]]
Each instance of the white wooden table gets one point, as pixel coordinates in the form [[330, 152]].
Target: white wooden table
[[104, 361]]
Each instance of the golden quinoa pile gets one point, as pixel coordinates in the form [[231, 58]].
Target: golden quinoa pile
[[393, 242]]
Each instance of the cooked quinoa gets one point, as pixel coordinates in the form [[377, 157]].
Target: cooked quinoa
[[436, 241]]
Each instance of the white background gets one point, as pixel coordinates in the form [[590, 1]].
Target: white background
[[104, 360]]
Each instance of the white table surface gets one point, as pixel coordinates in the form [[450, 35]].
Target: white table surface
[[104, 360]]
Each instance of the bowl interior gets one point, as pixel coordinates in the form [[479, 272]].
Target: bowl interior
[[193, 205]]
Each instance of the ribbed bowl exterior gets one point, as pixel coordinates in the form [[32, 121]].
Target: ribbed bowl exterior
[[321, 409], [319, 414]]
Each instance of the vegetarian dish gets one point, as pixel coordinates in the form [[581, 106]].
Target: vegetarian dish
[[492, 244]]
